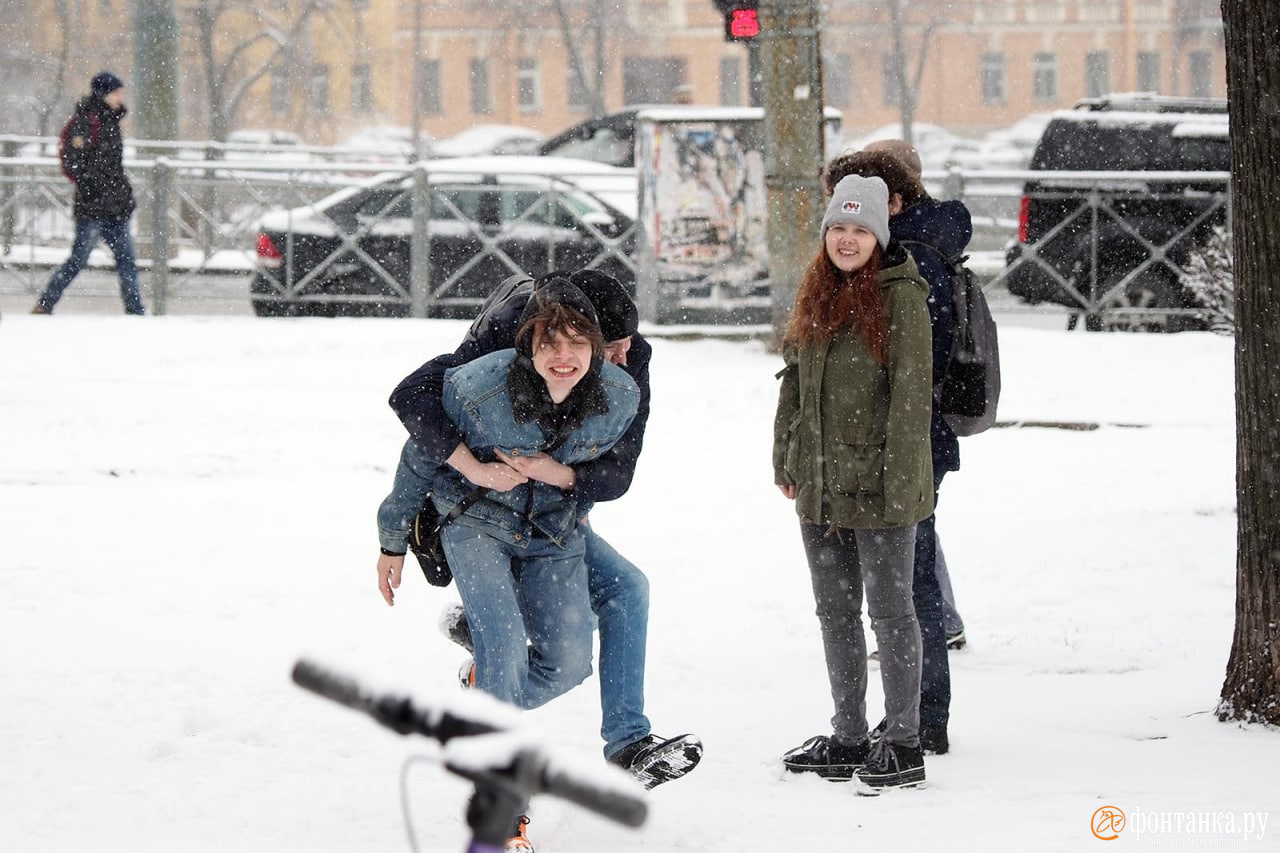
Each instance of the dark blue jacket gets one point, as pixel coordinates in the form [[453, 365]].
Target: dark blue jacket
[[417, 402], [947, 225]]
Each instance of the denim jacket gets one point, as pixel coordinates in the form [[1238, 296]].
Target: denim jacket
[[476, 400]]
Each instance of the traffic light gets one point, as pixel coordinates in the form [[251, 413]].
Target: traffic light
[[741, 19]]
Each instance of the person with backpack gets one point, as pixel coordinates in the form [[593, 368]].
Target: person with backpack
[[932, 232], [619, 589], [91, 148], [851, 449]]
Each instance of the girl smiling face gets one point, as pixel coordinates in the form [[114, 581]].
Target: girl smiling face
[[561, 357], [849, 246]]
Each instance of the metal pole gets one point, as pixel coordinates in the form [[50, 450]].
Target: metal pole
[[794, 140], [420, 246], [415, 120], [161, 178]]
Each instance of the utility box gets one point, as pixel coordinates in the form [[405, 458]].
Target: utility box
[[702, 254]]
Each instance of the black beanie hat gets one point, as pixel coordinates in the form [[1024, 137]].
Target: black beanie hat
[[105, 83], [552, 290], [618, 316]]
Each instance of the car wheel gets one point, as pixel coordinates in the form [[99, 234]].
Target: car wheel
[[1149, 291], [274, 308]]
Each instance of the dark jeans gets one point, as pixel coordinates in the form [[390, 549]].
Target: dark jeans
[[116, 235], [935, 675]]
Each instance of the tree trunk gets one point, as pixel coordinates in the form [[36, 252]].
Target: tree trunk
[[1251, 691]]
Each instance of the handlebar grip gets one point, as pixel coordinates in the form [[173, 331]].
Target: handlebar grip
[[612, 802], [344, 691]]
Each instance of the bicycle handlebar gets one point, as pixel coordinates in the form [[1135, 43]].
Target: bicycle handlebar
[[538, 773]]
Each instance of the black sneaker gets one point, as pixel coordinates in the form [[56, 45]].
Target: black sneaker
[[956, 641], [653, 760], [892, 765], [827, 757], [453, 624], [933, 740]]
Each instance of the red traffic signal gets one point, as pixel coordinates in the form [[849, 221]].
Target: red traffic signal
[[741, 20], [741, 24]]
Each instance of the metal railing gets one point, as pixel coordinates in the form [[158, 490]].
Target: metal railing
[[199, 217]]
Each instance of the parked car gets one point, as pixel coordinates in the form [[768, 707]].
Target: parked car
[[349, 254], [1118, 243], [483, 139], [611, 138]]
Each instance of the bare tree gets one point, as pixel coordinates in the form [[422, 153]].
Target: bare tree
[[267, 41], [1251, 691], [908, 68], [591, 80]]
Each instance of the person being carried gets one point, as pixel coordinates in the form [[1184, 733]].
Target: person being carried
[[851, 449], [92, 152], [619, 589]]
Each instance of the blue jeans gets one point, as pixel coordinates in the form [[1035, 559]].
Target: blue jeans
[[620, 599], [116, 235], [950, 615], [935, 674], [528, 609]]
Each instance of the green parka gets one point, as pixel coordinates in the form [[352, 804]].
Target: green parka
[[853, 434]]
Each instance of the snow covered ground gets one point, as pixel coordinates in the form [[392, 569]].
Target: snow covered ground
[[187, 507]]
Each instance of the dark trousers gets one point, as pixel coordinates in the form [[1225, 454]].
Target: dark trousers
[[935, 675]]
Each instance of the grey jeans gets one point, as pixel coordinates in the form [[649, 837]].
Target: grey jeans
[[842, 563]]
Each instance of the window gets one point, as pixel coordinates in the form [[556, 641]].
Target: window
[[1148, 71], [319, 88], [837, 80], [430, 101], [1097, 73], [280, 93], [1044, 77], [731, 81], [528, 86], [1201, 68], [651, 79], [481, 95], [890, 69], [992, 73], [361, 89]]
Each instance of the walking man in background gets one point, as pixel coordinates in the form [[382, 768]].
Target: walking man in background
[[91, 148]]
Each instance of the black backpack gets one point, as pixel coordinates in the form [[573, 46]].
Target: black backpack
[[969, 391]]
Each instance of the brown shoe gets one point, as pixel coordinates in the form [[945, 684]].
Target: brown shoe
[[40, 309]]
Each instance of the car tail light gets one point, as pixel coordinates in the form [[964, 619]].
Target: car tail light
[[1024, 215], [268, 255]]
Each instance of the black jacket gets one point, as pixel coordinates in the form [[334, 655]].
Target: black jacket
[[948, 226], [417, 402], [93, 157]]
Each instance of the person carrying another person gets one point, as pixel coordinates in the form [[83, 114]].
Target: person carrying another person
[[851, 449], [619, 590]]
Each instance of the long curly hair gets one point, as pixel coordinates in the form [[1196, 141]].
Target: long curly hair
[[829, 300]]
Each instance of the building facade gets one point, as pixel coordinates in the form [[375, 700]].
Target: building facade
[[326, 69]]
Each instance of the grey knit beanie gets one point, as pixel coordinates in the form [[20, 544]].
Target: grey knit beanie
[[861, 201]]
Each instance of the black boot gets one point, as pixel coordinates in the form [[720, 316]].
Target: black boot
[[827, 757], [893, 765]]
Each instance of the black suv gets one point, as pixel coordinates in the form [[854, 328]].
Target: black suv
[[1113, 246]]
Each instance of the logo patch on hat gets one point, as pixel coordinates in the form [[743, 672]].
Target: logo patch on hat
[[851, 206]]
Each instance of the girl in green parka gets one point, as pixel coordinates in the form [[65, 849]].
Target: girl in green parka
[[851, 448]]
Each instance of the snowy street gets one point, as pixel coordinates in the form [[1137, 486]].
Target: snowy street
[[187, 507]]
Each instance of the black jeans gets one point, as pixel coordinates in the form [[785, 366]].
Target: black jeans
[[935, 675]]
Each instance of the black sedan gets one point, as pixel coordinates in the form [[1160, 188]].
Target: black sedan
[[350, 253]]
